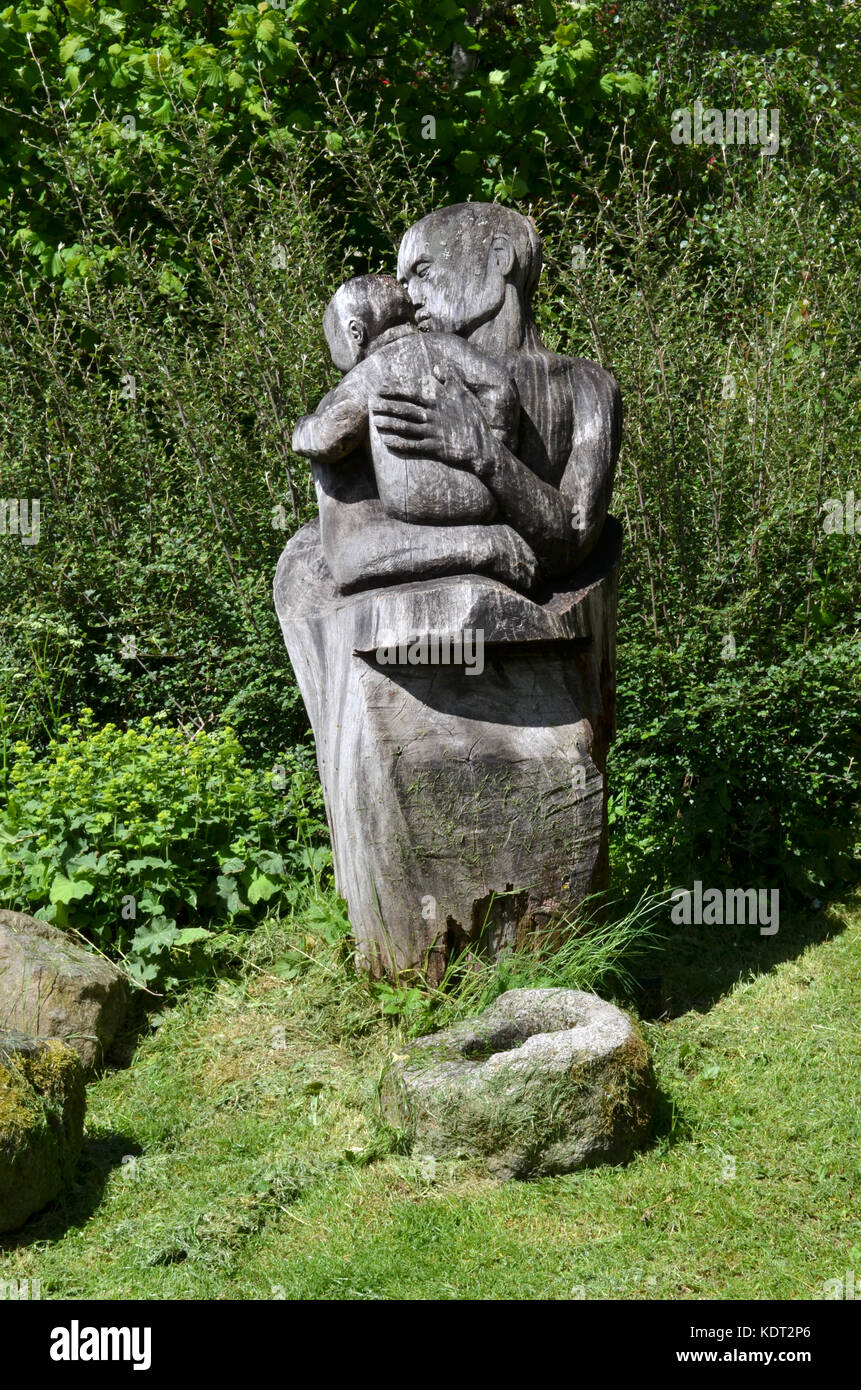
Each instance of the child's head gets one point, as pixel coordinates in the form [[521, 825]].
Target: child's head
[[359, 312]]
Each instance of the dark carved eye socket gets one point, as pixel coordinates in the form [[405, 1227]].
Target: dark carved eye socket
[[422, 269]]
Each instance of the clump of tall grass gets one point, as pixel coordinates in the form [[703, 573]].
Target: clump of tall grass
[[598, 952]]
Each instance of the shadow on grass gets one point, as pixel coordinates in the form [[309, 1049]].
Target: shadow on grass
[[696, 966], [669, 1124], [100, 1155]]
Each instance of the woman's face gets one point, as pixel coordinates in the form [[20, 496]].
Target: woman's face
[[453, 279]]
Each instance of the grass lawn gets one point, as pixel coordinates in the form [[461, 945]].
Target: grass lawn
[[239, 1155]]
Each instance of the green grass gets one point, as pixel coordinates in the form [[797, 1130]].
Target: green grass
[[262, 1173]]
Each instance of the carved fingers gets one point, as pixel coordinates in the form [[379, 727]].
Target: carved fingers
[[406, 421], [514, 562], [446, 424]]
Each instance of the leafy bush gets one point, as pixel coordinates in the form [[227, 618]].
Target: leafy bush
[[753, 773], [150, 591], [161, 292], [734, 340], [148, 841], [112, 86]]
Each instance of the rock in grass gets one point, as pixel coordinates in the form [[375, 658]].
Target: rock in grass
[[544, 1081], [42, 1101], [53, 988]]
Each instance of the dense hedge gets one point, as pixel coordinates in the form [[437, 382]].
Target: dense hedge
[[163, 280]]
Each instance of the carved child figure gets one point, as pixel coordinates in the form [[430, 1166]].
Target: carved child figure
[[373, 338]]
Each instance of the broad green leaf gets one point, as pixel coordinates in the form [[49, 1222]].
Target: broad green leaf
[[84, 862], [232, 866], [148, 861], [187, 936], [69, 46], [261, 888], [158, 936], [269, 861], [151, 904], [112, 20], [467, 161], [66, 890], [143, 972], [315, 857], [629, 82], [583, 53]]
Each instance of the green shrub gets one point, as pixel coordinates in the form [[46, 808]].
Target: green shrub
[[746, 768], [192, 263], [491, 99], [149, 841]]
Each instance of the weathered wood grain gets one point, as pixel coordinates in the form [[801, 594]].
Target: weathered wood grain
[[463, 473], [463, 807]]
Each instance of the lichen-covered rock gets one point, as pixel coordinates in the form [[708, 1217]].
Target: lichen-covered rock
[[51, 987], [42, 1102], [544, 1081]]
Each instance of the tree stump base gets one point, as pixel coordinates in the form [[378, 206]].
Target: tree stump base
[[467, 807]]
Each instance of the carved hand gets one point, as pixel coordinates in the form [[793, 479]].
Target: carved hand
[[444, 423], [331, 432], [511, 559]]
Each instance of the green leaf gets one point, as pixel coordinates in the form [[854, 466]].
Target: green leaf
[[583, 53], [112, 20], [270, 862], [629, 82], [143, 972], [69, 46], [170, 284], [90, 860], [187, 936], [315, 858], [232, 866], [151, 904], [66, 890], [261, 888], [467, 162], [158, 936], [285, 970]]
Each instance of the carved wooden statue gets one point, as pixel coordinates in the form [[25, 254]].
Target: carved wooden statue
[[451, 615]]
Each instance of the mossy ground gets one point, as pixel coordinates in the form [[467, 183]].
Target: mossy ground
[[238, 1157]]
